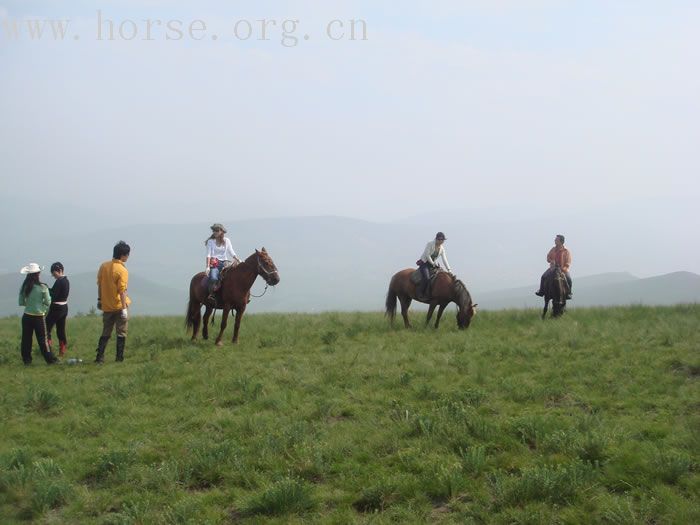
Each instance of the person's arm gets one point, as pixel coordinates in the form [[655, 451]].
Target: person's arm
[[443, 254], [566, 260], [206, 269], [99, 289], [45, 295], [427, 254], [229, 250], [551, 258], [122, 282], [22, 301]]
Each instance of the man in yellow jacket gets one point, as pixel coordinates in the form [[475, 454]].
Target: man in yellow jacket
[[112, 284], [557, 256]]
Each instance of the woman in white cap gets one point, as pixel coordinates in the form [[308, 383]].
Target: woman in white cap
[[433, 250], [220, 254], [34, 296]]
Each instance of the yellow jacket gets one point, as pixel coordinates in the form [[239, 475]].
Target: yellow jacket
[[112, 279]]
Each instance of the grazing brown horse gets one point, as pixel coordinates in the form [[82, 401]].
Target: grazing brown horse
[[446, 289], [234, 293], [555, 290]]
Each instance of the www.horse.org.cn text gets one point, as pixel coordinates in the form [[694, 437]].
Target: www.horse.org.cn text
[[287, 32]]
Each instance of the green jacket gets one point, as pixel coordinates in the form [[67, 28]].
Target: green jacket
[[38, 301]]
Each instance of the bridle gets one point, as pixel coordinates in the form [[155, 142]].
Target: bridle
[[262, 269]]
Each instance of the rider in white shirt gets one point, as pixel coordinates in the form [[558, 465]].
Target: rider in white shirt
[[220, 254], [433, 250]]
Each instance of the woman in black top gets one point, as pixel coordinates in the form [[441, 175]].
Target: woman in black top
[[58, 311]]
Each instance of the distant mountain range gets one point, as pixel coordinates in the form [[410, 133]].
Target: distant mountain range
[[335, 263], [597, 290], [608, 289]]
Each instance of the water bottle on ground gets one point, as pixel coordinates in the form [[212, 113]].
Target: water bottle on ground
[[74, 361]]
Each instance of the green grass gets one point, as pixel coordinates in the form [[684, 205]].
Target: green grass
[[337, 418]]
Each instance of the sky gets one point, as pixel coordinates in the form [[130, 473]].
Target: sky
[[446, 105]]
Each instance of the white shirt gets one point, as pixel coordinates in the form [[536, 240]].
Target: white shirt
[[428, 252], [223, 253]]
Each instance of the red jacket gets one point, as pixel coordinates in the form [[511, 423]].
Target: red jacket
[[560, 256]]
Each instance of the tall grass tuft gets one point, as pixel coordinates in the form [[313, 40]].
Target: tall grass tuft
[[553, 484], [42, 400], [289, 495]]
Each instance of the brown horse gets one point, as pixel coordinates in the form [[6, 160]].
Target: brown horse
[[234, 293], [555, 290], [446, 289]]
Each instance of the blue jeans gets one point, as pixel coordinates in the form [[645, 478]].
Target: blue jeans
[[214, 272]]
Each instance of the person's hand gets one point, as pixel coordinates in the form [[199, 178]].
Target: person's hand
[[125, 314], [206, 272]]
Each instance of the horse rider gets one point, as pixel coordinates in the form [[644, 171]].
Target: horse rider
[[557, 256], [428, 260], [220, 254]]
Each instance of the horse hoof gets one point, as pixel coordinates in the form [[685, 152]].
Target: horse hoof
[[219, 343]]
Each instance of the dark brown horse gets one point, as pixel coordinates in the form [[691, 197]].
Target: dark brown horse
[[555, 289], [446, 289], [234, 293]]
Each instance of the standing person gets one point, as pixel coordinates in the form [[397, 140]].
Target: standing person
[[433, 250], [34, 296], [220, 254], [58, 311], [112, 283], [557, 256]]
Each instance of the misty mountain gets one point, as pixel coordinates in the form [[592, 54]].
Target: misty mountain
[[611, 289], [334, 263]]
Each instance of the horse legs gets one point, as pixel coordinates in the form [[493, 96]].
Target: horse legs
[[205, 322], [196, 319], [237, 324], [546, 305], [405, 303], [224, 319], [430, 313], [439, 314]]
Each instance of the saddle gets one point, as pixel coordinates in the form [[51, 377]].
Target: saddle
[[204, 284], [416, 278]]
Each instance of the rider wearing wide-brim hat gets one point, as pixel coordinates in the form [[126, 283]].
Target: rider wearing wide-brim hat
[[220, 254], [433, 250]]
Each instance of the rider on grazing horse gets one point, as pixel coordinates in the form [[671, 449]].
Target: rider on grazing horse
[[220, 254], [557, 256], [428, 260]]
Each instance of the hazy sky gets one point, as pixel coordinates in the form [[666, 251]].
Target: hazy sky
[[446, 105]]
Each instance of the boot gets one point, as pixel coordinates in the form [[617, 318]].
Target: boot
[[101, 345], [211, 298], [121, 343], [423, 291], [61, 349]]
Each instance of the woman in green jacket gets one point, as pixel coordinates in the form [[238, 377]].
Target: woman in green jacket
[[34, 296]]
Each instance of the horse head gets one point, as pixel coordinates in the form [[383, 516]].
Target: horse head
[[467, 309], [266, 268]]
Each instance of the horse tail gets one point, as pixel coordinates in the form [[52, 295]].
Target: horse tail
[[192, 308], [391, 303]]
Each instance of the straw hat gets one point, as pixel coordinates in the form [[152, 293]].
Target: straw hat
[[31, 268]]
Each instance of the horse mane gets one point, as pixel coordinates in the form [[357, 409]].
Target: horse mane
[[462, 296]]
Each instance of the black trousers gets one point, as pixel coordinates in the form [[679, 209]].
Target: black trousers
[[57, 316], [35, 324]]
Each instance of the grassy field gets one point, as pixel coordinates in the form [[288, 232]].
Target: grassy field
[[336, 418]]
